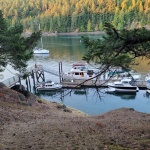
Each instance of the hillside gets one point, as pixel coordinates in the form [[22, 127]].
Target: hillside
[[32, 123], [76, 15]]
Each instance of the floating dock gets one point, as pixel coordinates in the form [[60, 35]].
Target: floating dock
[[93, 83], [39, 70]]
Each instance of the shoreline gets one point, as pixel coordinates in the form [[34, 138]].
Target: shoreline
[[28, 33], [71, 33]]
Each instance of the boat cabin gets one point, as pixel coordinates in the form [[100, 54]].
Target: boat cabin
[[78, 74], [79, 66], [81, 71]]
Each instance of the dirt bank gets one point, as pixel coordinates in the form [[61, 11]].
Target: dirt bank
[[31, 123]]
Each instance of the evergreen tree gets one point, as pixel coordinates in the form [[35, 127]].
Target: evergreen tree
[[15, 49], [89, 26], [118, 48], [97, 11]]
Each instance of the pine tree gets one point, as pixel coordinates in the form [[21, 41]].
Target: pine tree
[[118, 48], [89, 26], [15, 49]]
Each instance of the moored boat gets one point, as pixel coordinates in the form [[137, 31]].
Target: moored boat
[[147, 79], [40, 51], [124, 86], [148, 86], [48, 86], [81, 71]]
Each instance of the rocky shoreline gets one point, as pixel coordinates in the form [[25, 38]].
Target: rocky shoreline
[[28, 122]]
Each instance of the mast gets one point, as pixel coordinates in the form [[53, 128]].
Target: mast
[[41, 36]]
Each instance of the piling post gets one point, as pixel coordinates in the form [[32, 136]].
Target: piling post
[[32, 74], [59, 73], [61, 70], [27, 84]]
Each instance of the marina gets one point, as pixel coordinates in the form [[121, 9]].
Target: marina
[[91, 99], [69, 83]]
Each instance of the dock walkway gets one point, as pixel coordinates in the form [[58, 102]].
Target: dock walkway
[[69, 84], [99, 83]]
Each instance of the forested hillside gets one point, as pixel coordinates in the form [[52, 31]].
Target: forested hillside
[[76, 15]]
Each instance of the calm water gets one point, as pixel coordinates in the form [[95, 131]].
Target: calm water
[[93, 103], [69, 49]]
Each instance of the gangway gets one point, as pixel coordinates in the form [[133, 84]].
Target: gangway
[[11, 81], [33, 69], [51, 71]]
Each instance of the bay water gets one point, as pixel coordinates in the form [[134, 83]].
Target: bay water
[[68, 50]]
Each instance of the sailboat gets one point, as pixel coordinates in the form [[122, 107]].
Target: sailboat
[[38, 50]]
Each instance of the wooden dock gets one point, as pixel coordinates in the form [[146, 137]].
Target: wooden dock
[[99, 83], [39, 71]]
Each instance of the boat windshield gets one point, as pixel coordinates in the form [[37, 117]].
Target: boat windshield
[[133, 83], [125, 82]]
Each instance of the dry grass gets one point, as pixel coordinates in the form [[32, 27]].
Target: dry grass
[[50, 126]]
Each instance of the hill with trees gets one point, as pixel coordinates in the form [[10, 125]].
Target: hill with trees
[[76, 15]]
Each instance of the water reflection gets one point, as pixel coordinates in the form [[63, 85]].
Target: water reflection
[[146, 94], [95, 101], [70, 48], [126, 96], [80, 92], [50, 93]]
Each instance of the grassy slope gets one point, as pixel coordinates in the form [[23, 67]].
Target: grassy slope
[[36, 124]]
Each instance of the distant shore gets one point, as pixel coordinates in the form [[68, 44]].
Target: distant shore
[[71, 33], [28, 33]]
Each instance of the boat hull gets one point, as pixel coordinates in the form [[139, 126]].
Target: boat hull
[[148, 91], [49, 89], [123, 89], [48, 86], [40, 51]]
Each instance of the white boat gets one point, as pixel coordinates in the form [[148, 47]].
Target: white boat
[[41, 56], [48, 86], [121, 75], [124, 86], [147, 79], [40, 51], [80, 71]]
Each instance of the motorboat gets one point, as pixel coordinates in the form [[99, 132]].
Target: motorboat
[[48, 86], [124, 86], [147, 79], [81, 71], [38, 50], [121, 75]]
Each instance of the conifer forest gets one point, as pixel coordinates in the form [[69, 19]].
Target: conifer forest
[[76, 15]]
